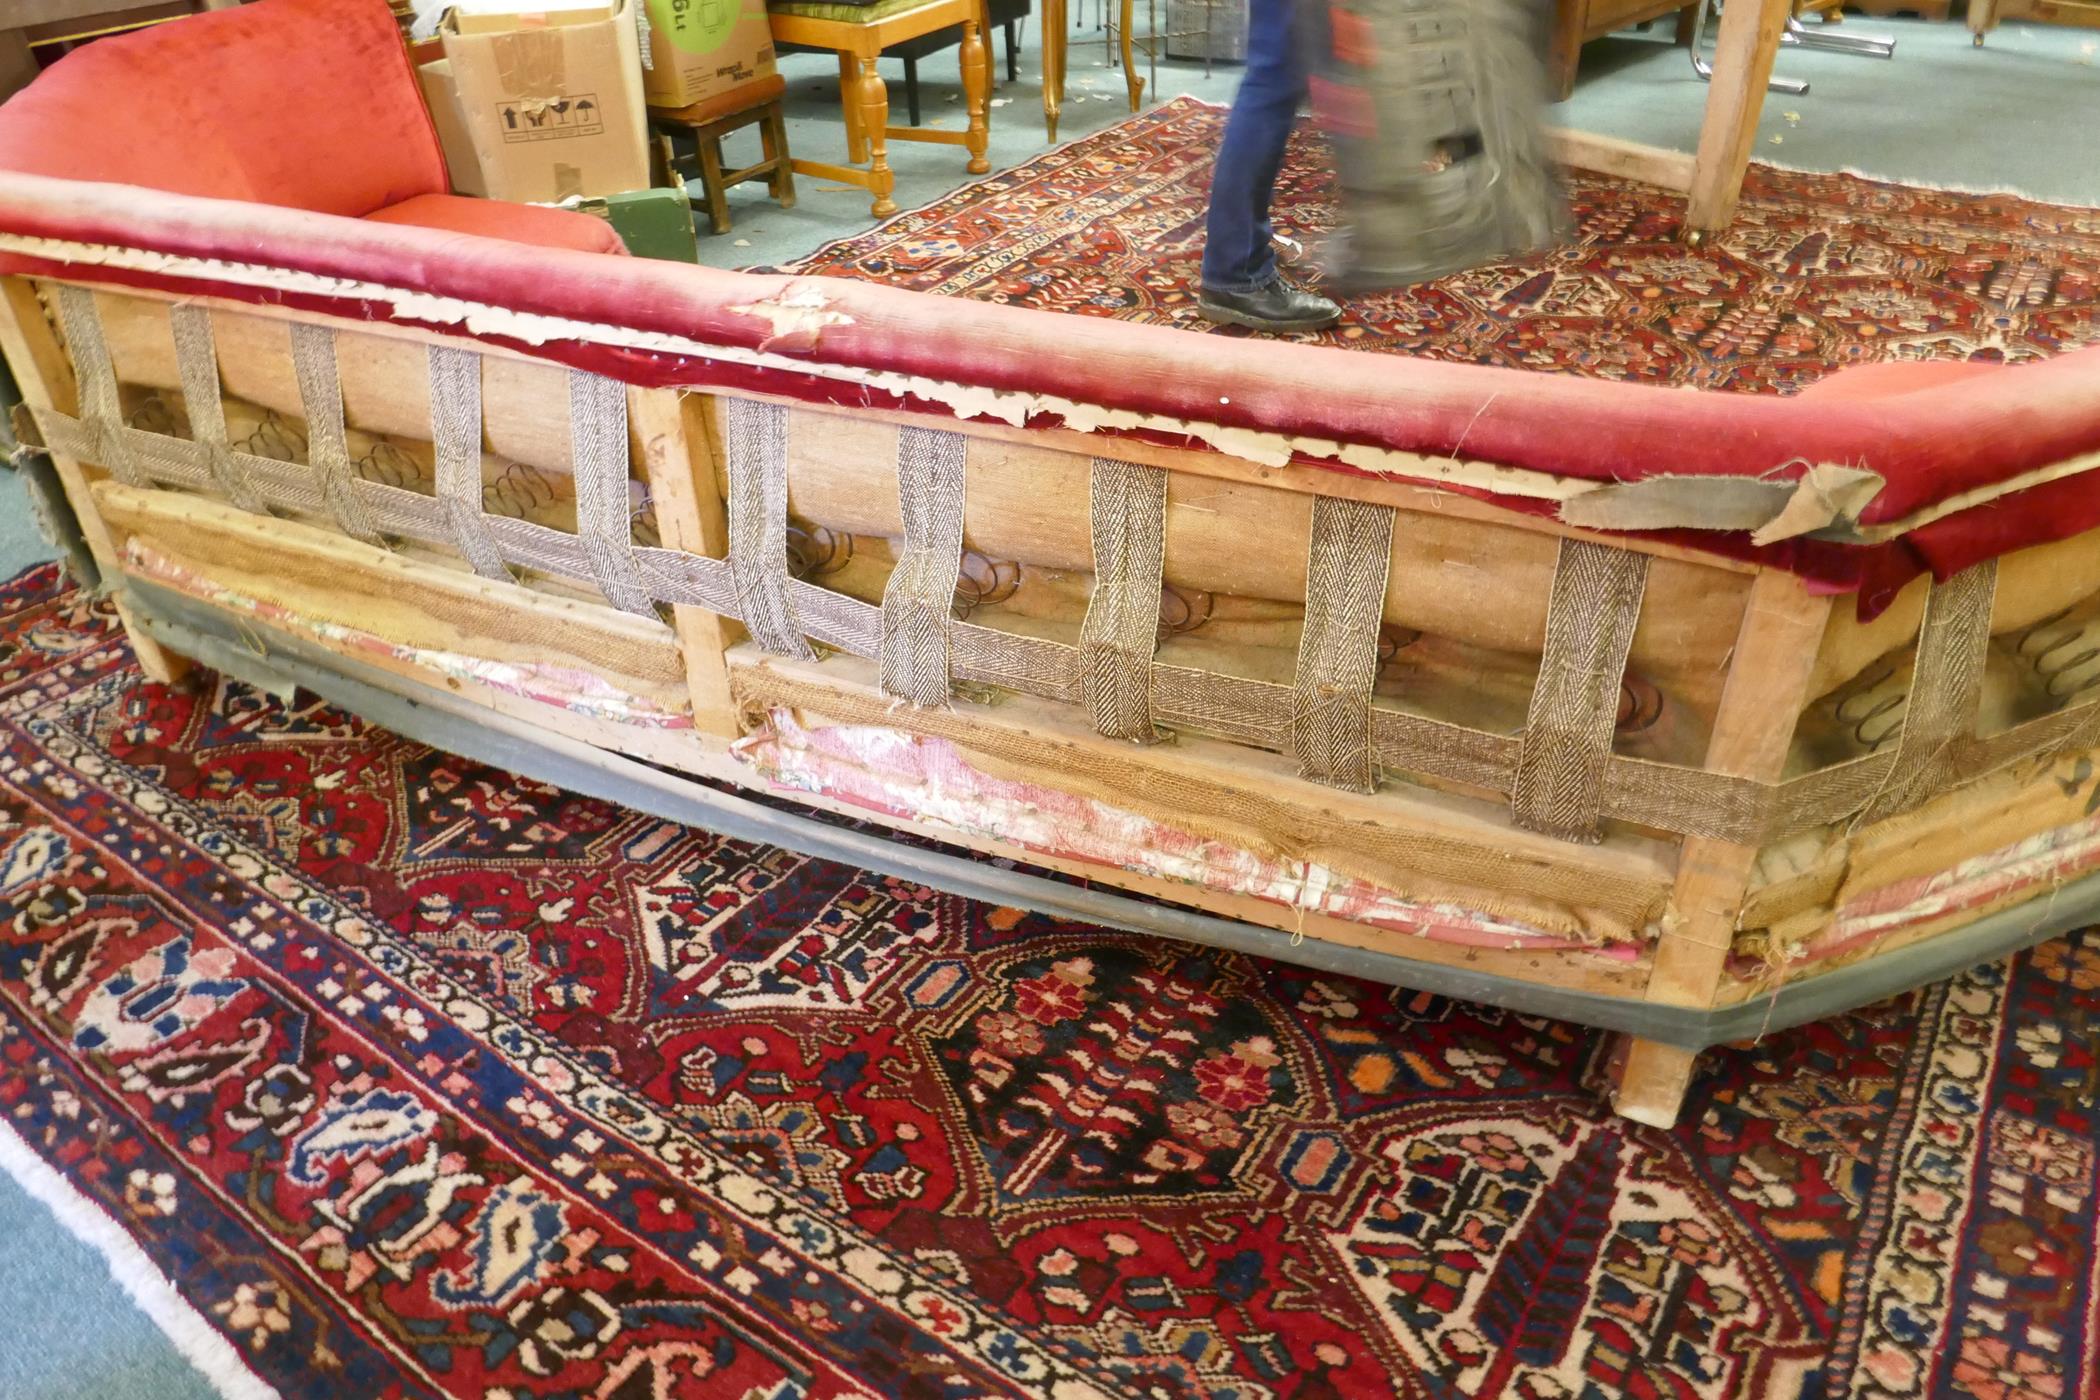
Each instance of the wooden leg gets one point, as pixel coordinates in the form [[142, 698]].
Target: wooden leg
[[911, 90], [1743, 53], [1649, 1079], [1983, 18], [1687, 20], [1013, 53], [977, 85], [161, 666], [849, 99], [711, 181], [772, 135], [1130, 73], [1055, 25], [874, 123]]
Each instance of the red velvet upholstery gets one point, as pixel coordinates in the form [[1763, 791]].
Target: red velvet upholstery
[[306, 103], [495, 218]]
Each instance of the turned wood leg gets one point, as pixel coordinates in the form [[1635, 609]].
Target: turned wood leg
[[874, 124], [1130, 73], [1649, 1079], [1055, 24], [156, 661], [849, 99], [977, 86]]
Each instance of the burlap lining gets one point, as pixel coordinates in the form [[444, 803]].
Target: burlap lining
[[752, 586]]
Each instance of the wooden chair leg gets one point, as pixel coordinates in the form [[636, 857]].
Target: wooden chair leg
[[875, 122], [911, 90], [711, 181], [156, 661], [1649, 1079], [849, 99], [1013, 55], [772, 135], [977, 84]]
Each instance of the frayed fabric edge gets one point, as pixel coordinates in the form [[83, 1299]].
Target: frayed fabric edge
[[198, 1342], [1994, 192]]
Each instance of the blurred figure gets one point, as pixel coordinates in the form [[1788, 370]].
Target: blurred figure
[[1241, 286]]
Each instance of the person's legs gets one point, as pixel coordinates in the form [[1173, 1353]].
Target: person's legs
[[1237, 256]]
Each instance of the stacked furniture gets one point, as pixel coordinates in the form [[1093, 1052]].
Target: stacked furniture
[[1683, 714]]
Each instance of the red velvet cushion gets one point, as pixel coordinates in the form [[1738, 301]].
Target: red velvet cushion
[[307, 103], [496, 218]]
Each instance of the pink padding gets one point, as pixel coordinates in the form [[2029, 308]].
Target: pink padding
[[496, 218], [305, 103]]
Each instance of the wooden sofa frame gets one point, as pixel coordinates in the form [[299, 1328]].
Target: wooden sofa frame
[[1634, 754]]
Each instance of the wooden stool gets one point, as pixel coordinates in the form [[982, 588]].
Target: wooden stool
[[858, 34], [714, 118]]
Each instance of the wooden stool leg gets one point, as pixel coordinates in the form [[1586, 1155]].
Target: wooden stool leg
[[711, 181], [1649, 1079], [1130, 73], [977, 86], [772, 134], [875, 123], [849, 99]]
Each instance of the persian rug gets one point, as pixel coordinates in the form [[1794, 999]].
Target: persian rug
[[420, 1079], [1817, 271]]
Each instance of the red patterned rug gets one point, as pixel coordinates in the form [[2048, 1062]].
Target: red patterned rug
[[423, 1080], [1817, 272]]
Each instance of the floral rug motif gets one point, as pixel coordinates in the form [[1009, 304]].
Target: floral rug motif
[[1817, 271], [419, 1079]]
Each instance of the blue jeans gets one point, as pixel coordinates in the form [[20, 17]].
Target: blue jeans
[[1237, 256]]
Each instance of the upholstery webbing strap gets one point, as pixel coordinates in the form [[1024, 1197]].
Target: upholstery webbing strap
[[1121, 630], [197, 357], [754, 441], [598, 464], [455, 431], [1347, 563], [101, 408], [1558, 786], [1946, 695], [918, 601], [327, 452]]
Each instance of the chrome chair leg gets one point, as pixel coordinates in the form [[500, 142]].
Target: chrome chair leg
[[1793, 87], [1840, 41]]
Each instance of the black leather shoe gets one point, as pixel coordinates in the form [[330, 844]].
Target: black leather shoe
[[1278, 308]]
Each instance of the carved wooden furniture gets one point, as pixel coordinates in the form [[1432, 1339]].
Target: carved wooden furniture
[[1687, 715], [859, 33], [1985, 14], [1577, 22], [707, 122]]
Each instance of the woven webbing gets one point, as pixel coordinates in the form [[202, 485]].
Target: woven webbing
[[598, 462], [327, 452], [919, 599], [1946, 694], [1129, 508], [197, 357], [101, 407], [1558, 787], [455, 431], [1938, 751], [1347, 561], [754, 441]]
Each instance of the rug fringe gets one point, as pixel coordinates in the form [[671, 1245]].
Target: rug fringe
[[200, 1344], [1996, 192]]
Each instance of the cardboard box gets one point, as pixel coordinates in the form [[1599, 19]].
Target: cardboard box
[[442, 98], [551, 100], [696, 49]]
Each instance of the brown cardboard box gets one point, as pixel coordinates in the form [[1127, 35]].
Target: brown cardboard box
[[442, 98], [696, 49], [551, 101]]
